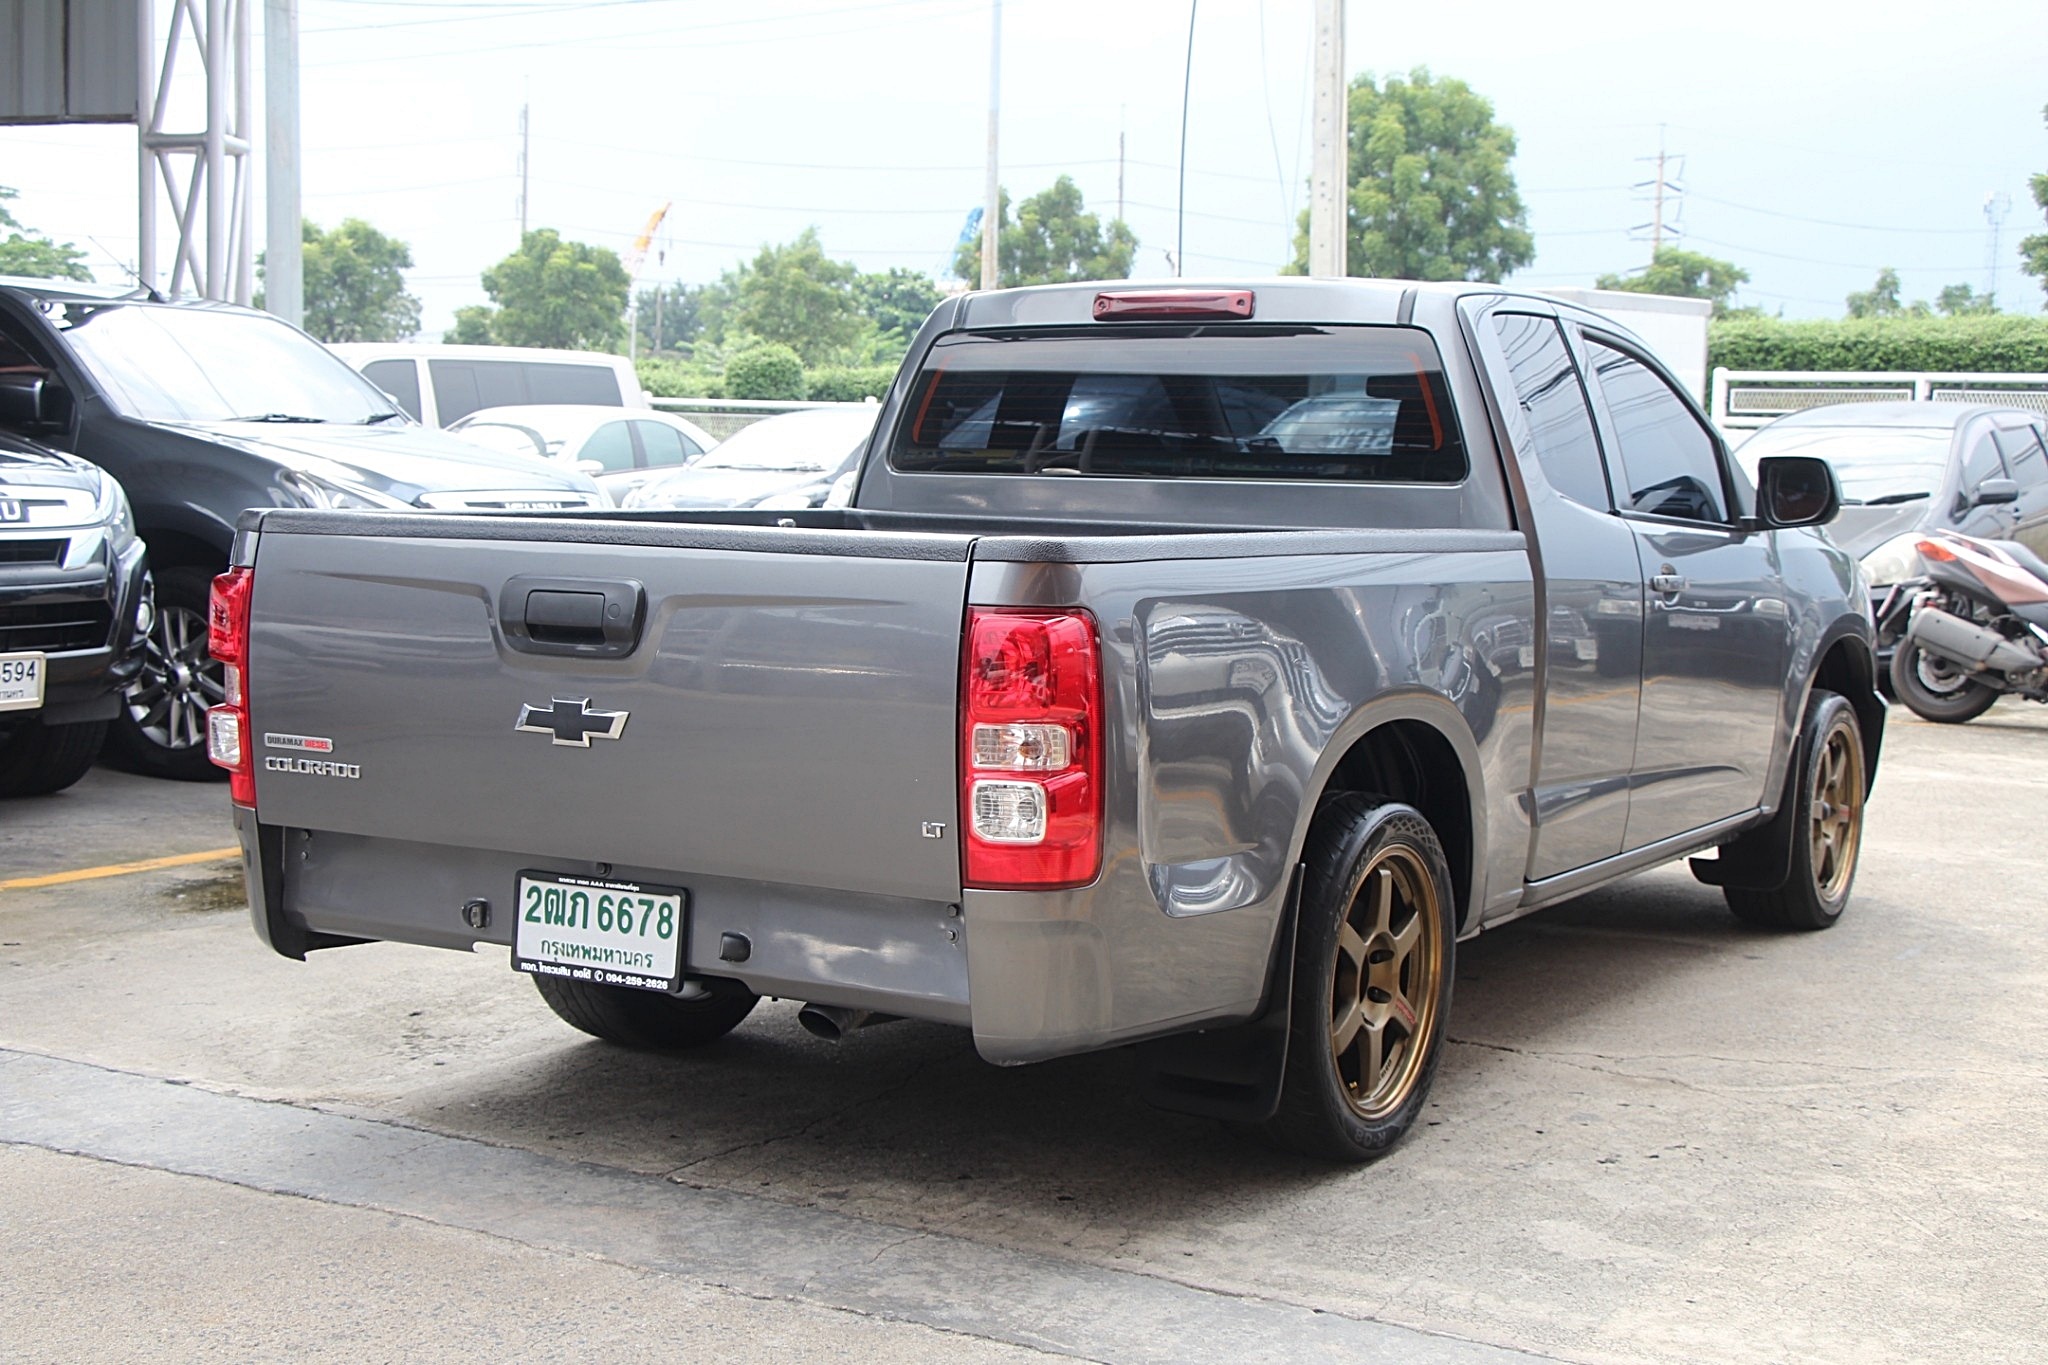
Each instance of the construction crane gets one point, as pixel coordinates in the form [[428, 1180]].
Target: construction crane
[[636, 256]]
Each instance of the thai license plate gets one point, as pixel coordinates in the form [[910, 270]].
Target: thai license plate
[[608, 933], [21, 681]]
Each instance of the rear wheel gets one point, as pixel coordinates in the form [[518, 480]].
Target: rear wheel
[[161, 731], [1935, 689], [648, 1019], [1825, 808], [1372, 980], [37, 759]]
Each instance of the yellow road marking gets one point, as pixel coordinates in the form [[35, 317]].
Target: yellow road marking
[[88, 874]]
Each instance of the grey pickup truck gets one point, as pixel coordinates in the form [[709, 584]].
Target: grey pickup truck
[[1193, 670]]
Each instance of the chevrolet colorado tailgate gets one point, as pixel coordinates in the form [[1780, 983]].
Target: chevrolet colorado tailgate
[[755, 703]]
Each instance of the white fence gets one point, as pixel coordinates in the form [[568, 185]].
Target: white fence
[[1745, 399], [724, 416]]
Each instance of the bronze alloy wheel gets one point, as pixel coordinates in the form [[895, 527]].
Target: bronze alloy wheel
[[1388, 982], [1836, 821]]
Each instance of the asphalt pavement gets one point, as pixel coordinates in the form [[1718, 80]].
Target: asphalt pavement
[[1657, 1136]]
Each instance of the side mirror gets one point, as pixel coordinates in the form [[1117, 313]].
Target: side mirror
[[1995, 493], [590, 467], [21, 401], [1796, 490]]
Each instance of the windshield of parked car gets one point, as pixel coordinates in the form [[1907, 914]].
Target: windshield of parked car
[[169, 364], [1358, 404], [1873, 464], [794, 443]]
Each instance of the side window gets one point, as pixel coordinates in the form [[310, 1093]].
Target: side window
[[2023, 455], [1668, 466], [664, 446], [400, 379], [1548, 388], [1980, 461], [611, 445]]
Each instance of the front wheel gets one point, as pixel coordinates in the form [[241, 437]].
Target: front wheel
[[161, 729], [1372, 980], [38, 759], [1824, 809], [648, 1020], [1935, 689]]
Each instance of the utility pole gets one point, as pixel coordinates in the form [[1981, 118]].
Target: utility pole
[[1329, 165], [1180, 212], [992, 195], [1122, 111], [1657, 215], [1996, 205], [525, 162], [284, 274]]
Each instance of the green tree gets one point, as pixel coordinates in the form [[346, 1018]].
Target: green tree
[[1881, 300], [1683, 274], [799, 296], [472, 326], [23, 252], [1961, 301], [1432, 195], [2034, 249], [897, 301], [1052, 239], [672, 317], [767, 369], [354, 288], [556, 293]]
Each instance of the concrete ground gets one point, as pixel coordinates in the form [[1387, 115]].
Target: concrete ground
[[1657, 1136]]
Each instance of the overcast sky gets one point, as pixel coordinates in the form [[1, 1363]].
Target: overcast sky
[[1815, 141]]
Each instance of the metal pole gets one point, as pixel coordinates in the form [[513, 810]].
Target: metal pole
[[992, 193], [284, 279], [1328, 195], [1180, 212], [242, 146], [525, 160], [145, 155], [214, 159]]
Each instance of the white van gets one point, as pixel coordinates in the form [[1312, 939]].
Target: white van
[[439, 384]]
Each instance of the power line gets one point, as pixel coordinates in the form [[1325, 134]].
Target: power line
[[1831, 222]]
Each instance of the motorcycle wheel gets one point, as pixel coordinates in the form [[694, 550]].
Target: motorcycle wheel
[[1935, 689]]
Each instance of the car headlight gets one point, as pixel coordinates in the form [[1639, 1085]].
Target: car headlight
[[321, 490], [1896, 561], [115, 514]]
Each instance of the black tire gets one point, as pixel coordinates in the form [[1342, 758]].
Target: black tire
[[38, 759], [1824, 808], [647, 1019], [161, 730], [1375, 868], [1934, 689]]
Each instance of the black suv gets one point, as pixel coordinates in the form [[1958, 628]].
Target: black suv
[[74, 611], [202, 410]]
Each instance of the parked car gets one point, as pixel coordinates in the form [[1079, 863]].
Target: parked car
[[201, 410], [441, 384], [796, 459], [620, 449], [74, 609], [1155, 719], [1910, 468]]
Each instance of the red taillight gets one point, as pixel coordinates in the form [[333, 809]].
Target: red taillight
[[1139, 304], [1934, 549], [227, 640], [1031, 750]]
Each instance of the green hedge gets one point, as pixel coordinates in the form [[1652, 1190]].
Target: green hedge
[[679, 379], [2001, 343], [850, 383], [771, 370]]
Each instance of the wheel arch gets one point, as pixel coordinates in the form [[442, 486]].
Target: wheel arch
[[1846, 665]]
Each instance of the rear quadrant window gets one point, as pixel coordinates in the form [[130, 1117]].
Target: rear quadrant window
[[1345, 404]]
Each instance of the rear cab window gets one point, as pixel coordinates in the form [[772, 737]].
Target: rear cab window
[[1353, 404]]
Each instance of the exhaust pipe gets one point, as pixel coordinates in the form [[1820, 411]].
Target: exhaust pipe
[[833, 1022], [1969, 644]]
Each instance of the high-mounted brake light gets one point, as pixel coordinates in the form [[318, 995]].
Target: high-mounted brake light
[[1031, 750], [1140, 304], [227, 640]]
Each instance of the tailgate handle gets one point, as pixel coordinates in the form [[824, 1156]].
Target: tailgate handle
[[590, 618]]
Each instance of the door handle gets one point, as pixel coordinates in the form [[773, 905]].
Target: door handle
[[1667, 584], [591, 618]]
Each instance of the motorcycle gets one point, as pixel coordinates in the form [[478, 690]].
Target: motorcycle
[[1971, 628]]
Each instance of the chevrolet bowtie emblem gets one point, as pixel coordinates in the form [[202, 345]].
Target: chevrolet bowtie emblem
[[572, 722]]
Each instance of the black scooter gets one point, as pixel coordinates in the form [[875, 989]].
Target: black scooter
[[1972, 629]]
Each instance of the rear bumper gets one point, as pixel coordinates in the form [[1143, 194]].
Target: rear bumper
[[309, 890]]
